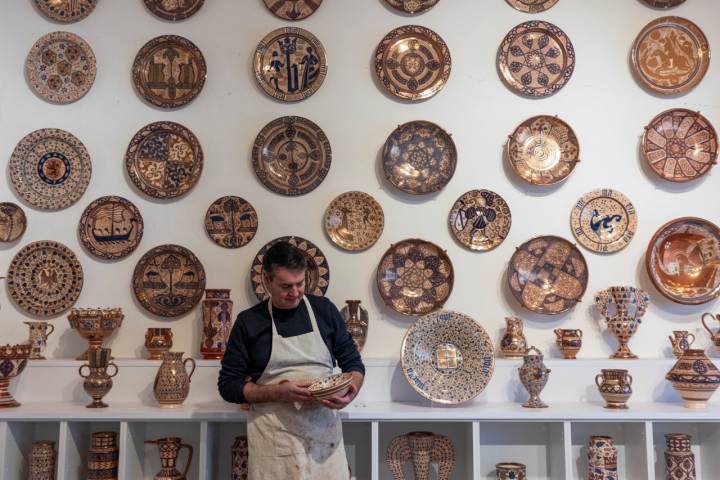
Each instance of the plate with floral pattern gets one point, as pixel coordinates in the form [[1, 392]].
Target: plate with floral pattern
[[480, 220], [354, 221], [604, 220], [292, 9]]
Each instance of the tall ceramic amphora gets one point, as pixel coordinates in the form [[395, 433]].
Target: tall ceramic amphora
[[172, 382], [217, 322], [623, 309]]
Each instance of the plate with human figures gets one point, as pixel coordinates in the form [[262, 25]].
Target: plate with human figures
[[111, 227], [354, 221], [480, 219], [604, 220], [231, 221]]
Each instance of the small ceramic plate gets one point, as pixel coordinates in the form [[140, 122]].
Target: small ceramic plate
[[329, 386], [683, 260], [169, 71], [415, 277], [354, 221], [664, 3], [532, 6], [50, 168], [447, 357], [413, 62], [290, 64], [536, 59], [604, 220], [66, 11], [164, 160], [60, 67], [231, 222], [412, 6], [543, 150], [547, 275], [480, 220], [174, 10], [12, 222], [169, 280], [45, 278], [292, 9], [419, 157], [680, 145], [291, 156], [317, 275], [111, 227], [670, 55]]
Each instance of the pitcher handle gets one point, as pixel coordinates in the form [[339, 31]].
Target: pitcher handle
[[52, 329], [558, 333], [189, 459], [191, 360], [112, 364], [691, 341], [705, 324], [80, 370], [597, 379]]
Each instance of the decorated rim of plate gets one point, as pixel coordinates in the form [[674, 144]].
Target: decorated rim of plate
[[412, 7], [274, 6], [532, 6], [333, 224], [158, 11], [82, 9], [604, 222]]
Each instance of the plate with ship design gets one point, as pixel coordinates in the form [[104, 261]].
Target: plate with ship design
[[111, 227], [231, 222], [604, 220], [354, 221]]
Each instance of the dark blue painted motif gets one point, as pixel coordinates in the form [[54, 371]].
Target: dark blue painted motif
[[54, 168]]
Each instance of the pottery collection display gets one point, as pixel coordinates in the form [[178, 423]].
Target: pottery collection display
[[681, 340], [98, 381], [679, 459], [94, 324], [569, 341], [38, 338], [239, 466], [42, 460], [510, 471], [357, 322], [103, 456], [534, 376], [513, 343], [217, 322], [715, 337], [694, 377], [169, 449], [421, 449], [172, 382], [623, 309], [157, 341], [13, 359], [602, 458], [615, 386]]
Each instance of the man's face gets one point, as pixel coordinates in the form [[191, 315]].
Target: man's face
[[287, 288]]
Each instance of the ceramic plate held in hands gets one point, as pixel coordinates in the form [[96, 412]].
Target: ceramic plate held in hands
[[231, 222], [354, 221], [12, 222], [66, 11], [174, 10], [683, 260], [547, 275], [447, 357], [480, 220], [532, 6], [292, 9], [111, 227], [604, 220], [412, 6]]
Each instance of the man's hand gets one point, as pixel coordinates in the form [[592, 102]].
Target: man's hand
[[285, 391]]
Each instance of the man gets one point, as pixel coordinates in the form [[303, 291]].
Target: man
[[275, 348]]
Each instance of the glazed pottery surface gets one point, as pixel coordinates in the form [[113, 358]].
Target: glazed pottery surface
[[623, 309], [217, 322], [602, 458], [615, 386], [98, 381], [681, 340], [239, 459], [357, 322], [510, 471], [103, 456], [715, 337], [172, 382], [169, 449], [513, 343], [694, 377], [421, 449], [157, 341], [42, 461], [679, 459], [569, 341], [94, 324], [13, 359], [38, 338], [534, 376]]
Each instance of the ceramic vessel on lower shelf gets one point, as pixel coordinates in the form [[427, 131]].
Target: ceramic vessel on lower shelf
[[239, 459], [42, 460], [534, 376], [169, 449], [422, 449], [602, 458], [694, 377], [13, 359], [679, 459], [172, 382], [510, 471], [615, 386], [103, 456]]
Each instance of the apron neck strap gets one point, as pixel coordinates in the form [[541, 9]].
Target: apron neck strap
[[311, 314]]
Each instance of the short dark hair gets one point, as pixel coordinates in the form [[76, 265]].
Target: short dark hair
[[283, 254]]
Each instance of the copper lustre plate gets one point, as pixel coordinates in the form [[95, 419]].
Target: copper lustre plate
[[290, 64], [174, 10], [543, 150], [45, 278], [680, 145], [670, 55], [169, 71], [547, 275], [291, 156], [231, 222], [169, 280], [60, 67], [415, 277], [604, 220], [412, 6], [292, 9], [419, 157], [413, 62], [317, 275], [683, 260], [536, 59], [664, 3], [13, 222], [66, 11], [480, 220], [111, 227], [164, 159], [532, 6], [354, 221], [50, 168], [447, 357]]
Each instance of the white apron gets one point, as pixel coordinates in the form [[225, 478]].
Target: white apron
[[289, 441]]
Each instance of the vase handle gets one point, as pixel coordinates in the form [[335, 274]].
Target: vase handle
[[112, 364], [629, 379], [191, 360], [80, 370], [52, 329], [705, 324], [597, 379], [189, 459]]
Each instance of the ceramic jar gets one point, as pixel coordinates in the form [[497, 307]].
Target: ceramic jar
[[534, 376], [715, 337], [602, 458], [681, 340], [158, 341], [568, 341], [357, 322], [103, 456], [13, 359], [239, 459], [513, 344], [42, 461], [98, 381], [694, 377], [172, 382], [615, 386], [39, 333], [623, 309], [422, 449], [679, 459], [169, 449], [510, 471], [217, 322]]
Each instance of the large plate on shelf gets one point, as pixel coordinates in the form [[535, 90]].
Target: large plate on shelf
[[354, 221]]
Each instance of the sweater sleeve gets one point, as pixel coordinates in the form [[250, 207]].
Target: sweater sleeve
[[344, 349], [234, 367]]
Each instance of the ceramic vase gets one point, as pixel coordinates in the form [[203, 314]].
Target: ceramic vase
[[103, 456], [158, 341], [513, 343], [357, 322], [98, 381], [694, 377], [169, 449], [623, 309], [679, 459], [534, 376], [569, 342], [602, 458], [715, 337], [510, 471], [422, 449], [42, 461], [615, 386], [39, 333], [13, 359], [239, 459], [681, 340], [94, 325], [172, 382], [217, 322]]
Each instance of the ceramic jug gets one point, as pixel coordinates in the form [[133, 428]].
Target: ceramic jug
[[615, 386], [679, 459], [357, 322], [513, 343], [39, 333], [681, 341], [172, 382], [169, 450], [98, 381], [217, 322], [534, 376], [569, 342], [715, 337]]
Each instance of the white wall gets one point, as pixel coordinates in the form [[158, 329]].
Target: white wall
[[602, 102]]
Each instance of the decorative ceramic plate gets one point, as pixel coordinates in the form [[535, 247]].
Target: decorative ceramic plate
[[12, 222], [332, 383], [317, 275], [66, 11], [664, 3], [480, 219], [670, 55], [354, 221], [413, 62], [547, 275], [169, 280], [169, 71], [292, 9], [532, 6], [164, 159], [291, 156], [60, 67], [536, 59], [680, 145], [412, 6], [290, 64], [231, 222], [543, 150], [415, 277], [419, 157], [604, 220], [45, 278], [111, 227], [50, 168], [174, 10], [447, 357], [683, 260]]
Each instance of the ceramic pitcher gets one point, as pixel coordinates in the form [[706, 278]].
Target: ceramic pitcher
[[172, 382], [513, 343], [681, 340], [715, 337], [568, 341], [39, 333], [169, 450]]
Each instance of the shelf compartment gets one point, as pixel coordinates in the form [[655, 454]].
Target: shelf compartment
[[705, 441], [17, 438], [76, 442], [139, 460], [630, 440]]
